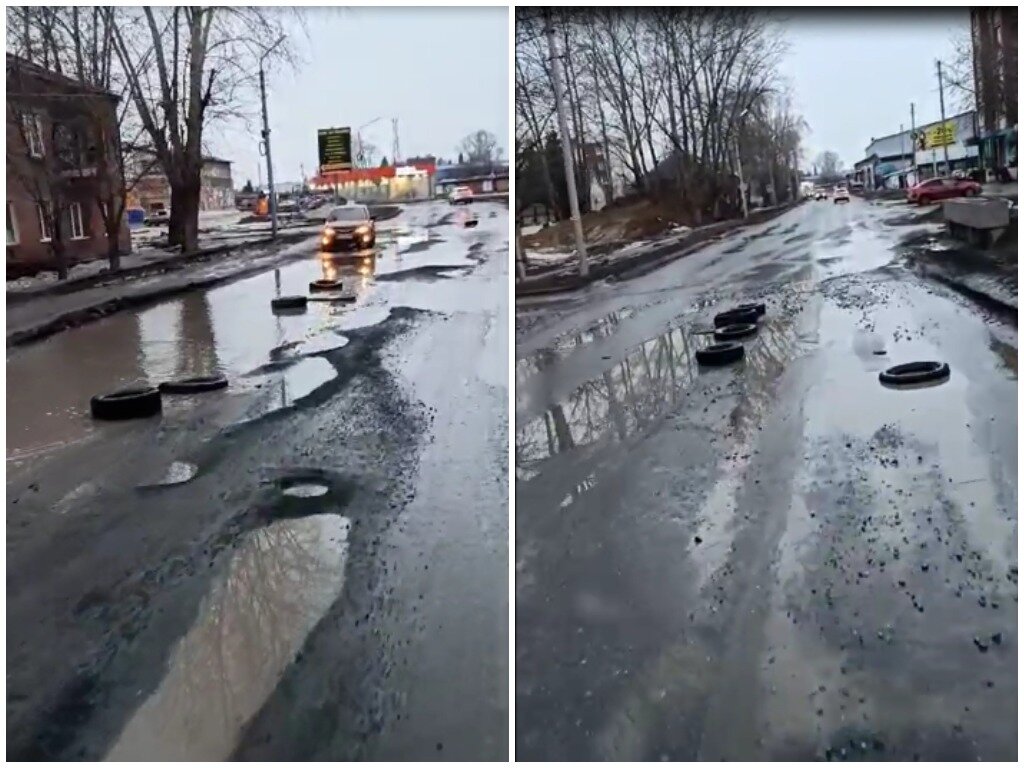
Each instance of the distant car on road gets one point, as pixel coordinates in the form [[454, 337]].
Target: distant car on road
[[840, 194], [461, 195], [820, 194], [942, 189], [348, 226], [158, 217]]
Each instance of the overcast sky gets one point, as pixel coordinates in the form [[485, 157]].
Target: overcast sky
[[443, 72], [855, 73]]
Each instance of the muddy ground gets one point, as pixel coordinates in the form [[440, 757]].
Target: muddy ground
[[779, 559]]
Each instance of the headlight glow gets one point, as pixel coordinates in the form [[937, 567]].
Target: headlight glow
[[329, 232], [362, 229]]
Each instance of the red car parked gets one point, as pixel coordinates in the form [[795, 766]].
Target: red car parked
[[940, 189]]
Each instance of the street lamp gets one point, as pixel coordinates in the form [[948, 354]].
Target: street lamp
[[266, 139]]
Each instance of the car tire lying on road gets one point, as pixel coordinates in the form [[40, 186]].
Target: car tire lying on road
[[914, 373], [325, 285], [720, 354], [735, 331], [133, 403], [193, 385], [757, 307], [288, 302], [736, 315]]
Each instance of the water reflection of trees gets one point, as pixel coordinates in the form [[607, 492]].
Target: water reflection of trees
[[280, 581], [647, 384], [197, 350]]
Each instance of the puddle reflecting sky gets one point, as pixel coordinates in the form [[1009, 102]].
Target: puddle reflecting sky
[[279, 583]]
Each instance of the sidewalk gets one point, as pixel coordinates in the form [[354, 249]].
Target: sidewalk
[[633, 259], [33, 315], [146, 260]]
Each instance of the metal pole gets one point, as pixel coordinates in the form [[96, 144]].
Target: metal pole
[[942, 115], [563, 127], [739, 172], [272, 197], [913, 143], [266, 141]]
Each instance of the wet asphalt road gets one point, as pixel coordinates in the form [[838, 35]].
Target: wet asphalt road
[[779, 559], [311, 564]]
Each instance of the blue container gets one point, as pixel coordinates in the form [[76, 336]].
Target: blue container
[[136, 216]]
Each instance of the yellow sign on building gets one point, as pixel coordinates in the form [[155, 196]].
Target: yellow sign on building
[[941, 135]]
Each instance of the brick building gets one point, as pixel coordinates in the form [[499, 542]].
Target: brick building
[[63, 163], [152, 191], [994, 53]]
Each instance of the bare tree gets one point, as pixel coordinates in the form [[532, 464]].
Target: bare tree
[[665, 96], [480, 147], [829, 166], [959, 73], [184, 68]]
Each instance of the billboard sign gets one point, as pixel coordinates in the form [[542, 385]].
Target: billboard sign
[[940, 135], [334, 147]]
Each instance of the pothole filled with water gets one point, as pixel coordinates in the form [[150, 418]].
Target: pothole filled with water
[[304, 490]]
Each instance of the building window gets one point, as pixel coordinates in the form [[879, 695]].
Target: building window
[[44, 224], [33, 129], [12, 226], [75, 214]]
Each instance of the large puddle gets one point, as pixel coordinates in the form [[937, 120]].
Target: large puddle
[[228, 329], [281, 580], [633, 393]]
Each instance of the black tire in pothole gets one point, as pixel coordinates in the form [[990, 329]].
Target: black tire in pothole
[[757, 306], [193, 385], [288, 302], [736, 316], [735, 331], [133, 403], [922, 372], [325, 285], [723, 353]]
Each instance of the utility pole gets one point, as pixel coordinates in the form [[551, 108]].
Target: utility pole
[[396, 150], [913, 144], [563, 127], [266, 142], [942, 116]]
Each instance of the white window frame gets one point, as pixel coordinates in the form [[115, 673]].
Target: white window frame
[[32, 126], [45, 236], [81, 233], [12, 222]]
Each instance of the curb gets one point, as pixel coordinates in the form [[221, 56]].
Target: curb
[[61, 288]]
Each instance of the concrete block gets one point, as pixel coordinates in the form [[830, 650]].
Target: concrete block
[[977, 213]]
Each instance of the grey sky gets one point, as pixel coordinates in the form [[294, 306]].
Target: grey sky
[[443, 72], [855, 73]]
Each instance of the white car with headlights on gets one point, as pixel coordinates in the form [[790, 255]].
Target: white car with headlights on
[[348, 226]]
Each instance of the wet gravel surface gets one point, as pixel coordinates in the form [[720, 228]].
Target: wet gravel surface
[[778, 559], [282, 569]]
